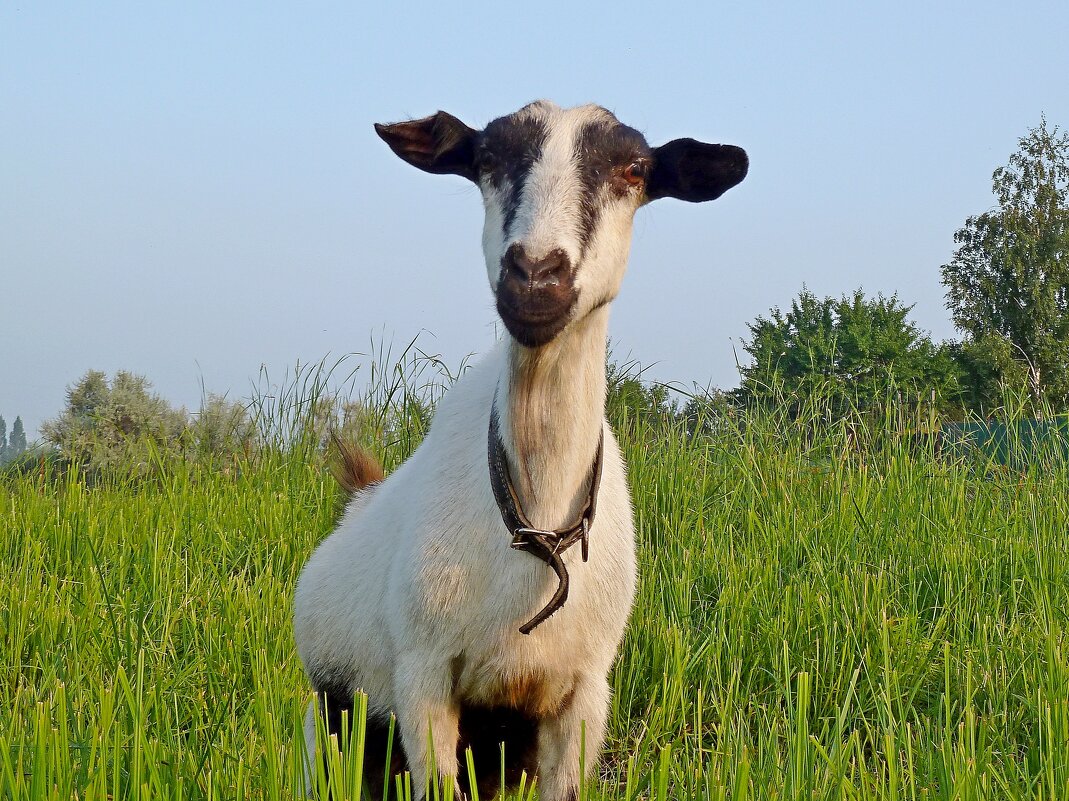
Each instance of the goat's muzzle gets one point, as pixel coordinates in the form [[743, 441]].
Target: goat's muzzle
[[535, 296]]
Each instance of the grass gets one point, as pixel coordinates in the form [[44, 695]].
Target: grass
[[824, 613]]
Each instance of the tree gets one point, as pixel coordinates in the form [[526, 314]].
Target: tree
[[16, 443], [1007, 286], [3, 440], [849, 354], [123, 423]]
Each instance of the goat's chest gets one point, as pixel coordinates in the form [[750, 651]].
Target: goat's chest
[[483, 590], [475, 601], [536, 673], [529, 680]]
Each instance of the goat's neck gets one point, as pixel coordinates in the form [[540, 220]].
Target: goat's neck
[[551, 404]]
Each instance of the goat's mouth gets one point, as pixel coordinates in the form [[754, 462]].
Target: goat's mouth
[[534, 321]]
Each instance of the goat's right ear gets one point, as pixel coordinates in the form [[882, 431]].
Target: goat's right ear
[[440, 143]]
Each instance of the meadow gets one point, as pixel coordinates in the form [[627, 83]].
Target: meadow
[[826, 611]]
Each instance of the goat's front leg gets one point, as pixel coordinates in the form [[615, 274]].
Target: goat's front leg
[[560, 739], [426, 714]]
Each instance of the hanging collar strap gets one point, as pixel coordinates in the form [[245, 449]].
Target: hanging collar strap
[[546, 545]]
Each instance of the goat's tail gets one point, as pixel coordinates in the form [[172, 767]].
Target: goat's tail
[[353, 467]]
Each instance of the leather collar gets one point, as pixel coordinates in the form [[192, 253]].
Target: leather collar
[[546, 545]]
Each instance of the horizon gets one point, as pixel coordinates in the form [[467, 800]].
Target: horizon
[[191, 194]]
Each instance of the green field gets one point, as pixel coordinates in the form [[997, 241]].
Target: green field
[[823, 613]]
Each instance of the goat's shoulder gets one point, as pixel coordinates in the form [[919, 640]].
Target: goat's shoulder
[[442, 490], [464, 410]]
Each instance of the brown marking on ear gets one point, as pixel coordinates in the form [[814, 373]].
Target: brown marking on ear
[[439, 144], [353, 467]]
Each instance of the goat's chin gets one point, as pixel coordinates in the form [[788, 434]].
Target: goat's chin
[[534, 324], [534, 335]]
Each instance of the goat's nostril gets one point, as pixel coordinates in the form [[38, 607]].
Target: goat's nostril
[[517, 261], [538, 273]]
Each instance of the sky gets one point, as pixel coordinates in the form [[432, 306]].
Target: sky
[[194, 191]]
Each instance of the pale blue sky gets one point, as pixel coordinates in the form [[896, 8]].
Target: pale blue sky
[[189, 192]]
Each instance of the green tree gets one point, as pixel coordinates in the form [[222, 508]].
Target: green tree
[[122, 423], [3, 440], [1007, 286], [16, 443], [848, 354]]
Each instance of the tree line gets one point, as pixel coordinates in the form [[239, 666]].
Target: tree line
[[121, 426], [1007, 289]]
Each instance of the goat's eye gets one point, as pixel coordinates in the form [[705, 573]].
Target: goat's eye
[[636, 172]]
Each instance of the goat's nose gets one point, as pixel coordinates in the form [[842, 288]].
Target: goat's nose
[[548, 271]]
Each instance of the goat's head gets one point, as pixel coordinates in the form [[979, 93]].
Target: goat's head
[[561, 187]]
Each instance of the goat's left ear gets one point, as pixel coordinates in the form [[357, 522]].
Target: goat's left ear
[[695, 171], [440, 143]]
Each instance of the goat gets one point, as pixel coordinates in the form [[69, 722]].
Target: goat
[[420, 597]]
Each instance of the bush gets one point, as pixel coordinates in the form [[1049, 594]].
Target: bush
[[851, 353], [123, 426]]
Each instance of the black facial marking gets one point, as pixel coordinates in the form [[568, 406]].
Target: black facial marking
[[507, 150], [603, 150]]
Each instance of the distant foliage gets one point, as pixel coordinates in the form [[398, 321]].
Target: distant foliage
[[852, 354], [656, 410], [1008, 283], [631, 401], [221, 427], [14, 446], [123, 425], [994, 376]]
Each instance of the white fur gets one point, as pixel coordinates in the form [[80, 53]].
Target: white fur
[[548, 215], [419, 572]]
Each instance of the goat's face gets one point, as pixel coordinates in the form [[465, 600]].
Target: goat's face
[[560, 188]]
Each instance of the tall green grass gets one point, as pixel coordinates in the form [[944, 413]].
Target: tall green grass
[[825, 611]]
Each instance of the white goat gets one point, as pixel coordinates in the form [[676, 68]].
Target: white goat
[[419, 596]]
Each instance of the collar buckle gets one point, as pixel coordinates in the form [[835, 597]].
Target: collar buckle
[[523, 537]]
